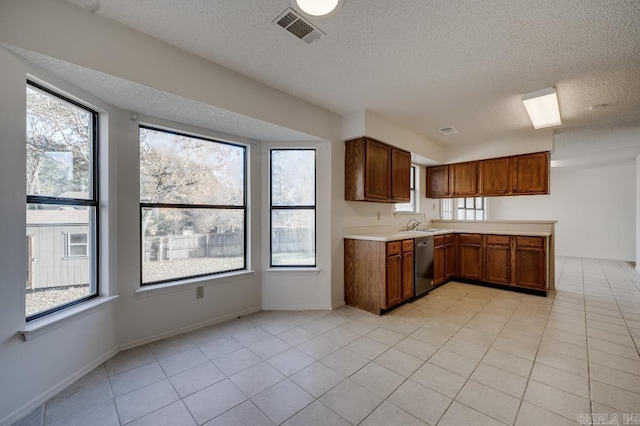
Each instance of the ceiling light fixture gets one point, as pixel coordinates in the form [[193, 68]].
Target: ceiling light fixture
[[542, 107], [318, 7]]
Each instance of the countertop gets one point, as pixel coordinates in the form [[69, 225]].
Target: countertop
[[391, 235]]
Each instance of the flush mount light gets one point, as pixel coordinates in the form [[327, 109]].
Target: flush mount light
[[542, 107], [318, 7]]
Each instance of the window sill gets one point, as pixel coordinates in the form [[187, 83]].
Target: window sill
[[187, 284], [294, 271], [49, 323]]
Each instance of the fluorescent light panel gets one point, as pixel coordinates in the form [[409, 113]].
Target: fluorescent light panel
[[542, 107]]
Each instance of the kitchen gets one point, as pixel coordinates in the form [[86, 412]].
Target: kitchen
[[469, 65]]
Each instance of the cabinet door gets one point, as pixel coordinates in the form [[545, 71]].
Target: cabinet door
[[400, 175], [531, 173], [407, 275], [470, 256], [394, 280], [494, 177], [530, 263], [463, 179], [450, 260], [377, 171], [439, 264], [498, 264], [438, 182]]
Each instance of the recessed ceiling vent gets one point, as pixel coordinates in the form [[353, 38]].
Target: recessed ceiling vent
[[298, 26], [448, 130]]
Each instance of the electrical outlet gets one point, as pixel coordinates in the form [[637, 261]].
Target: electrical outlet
[[378, 214], [199, 292]]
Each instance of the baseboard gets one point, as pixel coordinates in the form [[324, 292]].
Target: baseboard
[[188, 328], [338, 305], [297, 308], [35, 403]]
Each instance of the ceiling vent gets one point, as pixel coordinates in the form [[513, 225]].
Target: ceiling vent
[[298, 26], [448, 130]]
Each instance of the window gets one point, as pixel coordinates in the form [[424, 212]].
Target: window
[[77, 245], [62, 202], [192, 206], [411, 205], [471, 208], [293, 207]]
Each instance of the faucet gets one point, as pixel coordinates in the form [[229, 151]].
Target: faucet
[[412, 224]]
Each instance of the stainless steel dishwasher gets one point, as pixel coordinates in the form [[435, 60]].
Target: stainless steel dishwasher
[[423, 266]]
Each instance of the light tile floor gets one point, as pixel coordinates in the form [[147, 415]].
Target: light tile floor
[[463, 354]]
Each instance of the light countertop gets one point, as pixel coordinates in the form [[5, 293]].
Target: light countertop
[[394, 235]]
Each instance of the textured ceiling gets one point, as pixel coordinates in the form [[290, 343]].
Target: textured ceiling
[[135, 97], [423, 65]]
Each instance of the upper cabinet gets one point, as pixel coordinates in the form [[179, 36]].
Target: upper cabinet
[[438, 181], [531, 173], [375, 171], [494, 176], [463, 179], [518, 175]]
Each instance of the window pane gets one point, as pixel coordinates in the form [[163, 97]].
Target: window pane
[[470, 215], [469, 203], [293, 177], [413, 177], [293, 237], [78, 238], [187, 170], [180, 243], [479, 214], [59, 136], [461, 203], [479, 203], [53, 278]]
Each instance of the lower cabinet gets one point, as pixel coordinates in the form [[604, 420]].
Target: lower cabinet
[[530, 261], [470, 256], [498, 259], [378, 275], [516, 261]]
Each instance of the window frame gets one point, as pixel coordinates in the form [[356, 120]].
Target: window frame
[[243, 207], [89, 203], [68, 254], [412, 192], [465, 209], [302, 207]]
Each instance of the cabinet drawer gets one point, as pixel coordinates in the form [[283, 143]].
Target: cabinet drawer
[[500, 240], [471, 238], [407, 245], [393, 247], [438, 240], [449, 239], [537, 242]]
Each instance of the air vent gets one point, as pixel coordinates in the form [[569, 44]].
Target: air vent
[[448, 130], [298, 26]]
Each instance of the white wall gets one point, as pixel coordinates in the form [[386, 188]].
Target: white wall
[[29, 369], [291, 289], [595, 209]]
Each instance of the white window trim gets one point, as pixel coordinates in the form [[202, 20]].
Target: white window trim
[[48, 323], [190, 283]]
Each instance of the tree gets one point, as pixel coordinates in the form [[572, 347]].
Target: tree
[[58, 145]]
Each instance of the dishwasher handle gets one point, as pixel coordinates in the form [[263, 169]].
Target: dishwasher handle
[[423, 243]]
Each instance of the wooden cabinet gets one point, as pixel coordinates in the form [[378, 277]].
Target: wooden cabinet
[[494, 177], [531, 173], [498, 259], [400, 176], [530, 262], [375, 171], [449, 256], [526, 174], [439, 260], [470, 256], [463, 179], [378, 275], [438, 182], [407, 269]]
